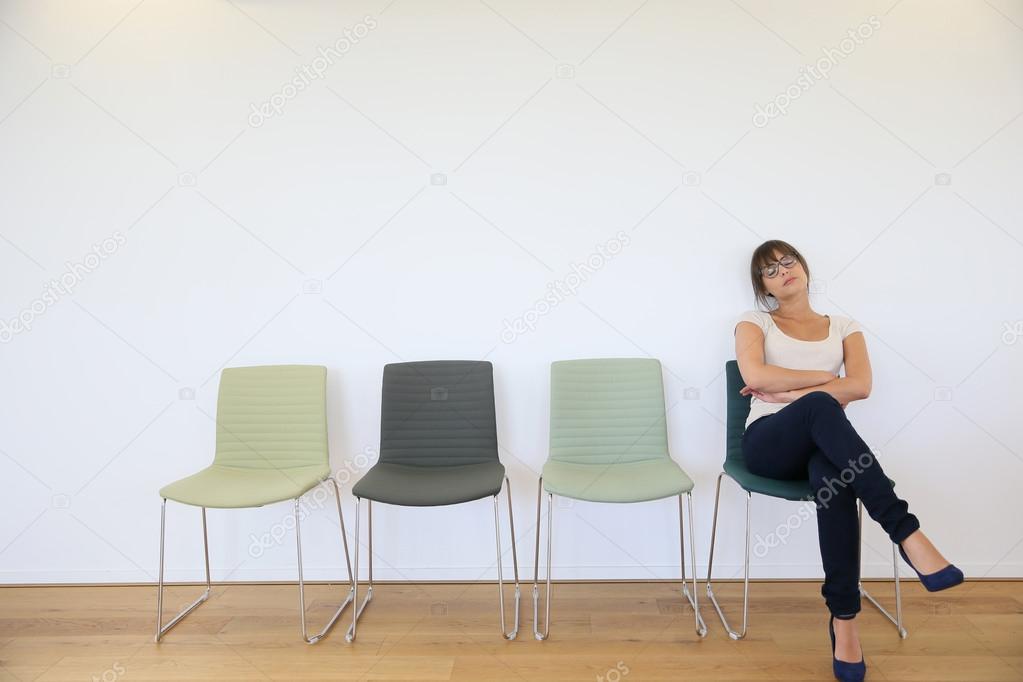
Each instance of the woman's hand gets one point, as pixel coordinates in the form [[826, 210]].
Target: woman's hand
[[760, 395], [779, 397]]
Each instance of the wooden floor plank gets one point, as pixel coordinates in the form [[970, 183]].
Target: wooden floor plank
[[447, 631]]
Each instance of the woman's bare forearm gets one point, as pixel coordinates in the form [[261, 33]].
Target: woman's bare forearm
[[844, 390], [775, 379]]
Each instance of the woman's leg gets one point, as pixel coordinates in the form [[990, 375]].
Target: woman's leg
[[814, 431], [777, 445], [781, 446], [838, 531]]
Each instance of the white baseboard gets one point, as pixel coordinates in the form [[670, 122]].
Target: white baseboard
[[383, 574]]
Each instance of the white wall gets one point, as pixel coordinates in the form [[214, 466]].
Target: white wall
[[319, 236]]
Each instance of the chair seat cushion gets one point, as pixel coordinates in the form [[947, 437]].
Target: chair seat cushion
[[430, 486], [795, 490], [651, 479], [227, 487]]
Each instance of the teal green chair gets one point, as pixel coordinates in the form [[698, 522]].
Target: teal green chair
[[609, 443], [271, 446], [738, 407], [438, 446]]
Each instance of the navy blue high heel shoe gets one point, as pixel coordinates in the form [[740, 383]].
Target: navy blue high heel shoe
[[950, 576], [844, 670]]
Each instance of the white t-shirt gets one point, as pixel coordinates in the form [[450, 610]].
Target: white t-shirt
[[784, 351]]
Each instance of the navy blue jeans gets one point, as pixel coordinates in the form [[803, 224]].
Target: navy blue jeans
[[812, 437]]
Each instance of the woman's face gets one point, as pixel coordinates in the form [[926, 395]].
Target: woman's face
[[788, 282]]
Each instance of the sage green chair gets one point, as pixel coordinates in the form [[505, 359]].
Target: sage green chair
[[271, 446], [609, 443], [738, 407], [438, 446]]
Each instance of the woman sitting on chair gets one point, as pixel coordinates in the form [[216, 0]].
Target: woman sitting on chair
[[789, 359]]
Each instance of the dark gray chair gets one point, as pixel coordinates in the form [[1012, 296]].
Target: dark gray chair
[[438, 446]]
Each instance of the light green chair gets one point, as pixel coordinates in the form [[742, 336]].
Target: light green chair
[[271, 446], [609, 443]]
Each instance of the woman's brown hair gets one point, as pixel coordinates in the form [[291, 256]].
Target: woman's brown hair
[[763, 255]]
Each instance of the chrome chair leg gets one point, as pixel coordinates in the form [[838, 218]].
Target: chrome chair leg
[[536, 568], [160, 628], [357, 612], [301, 583], [895, 620], [701, 627], [710, 565], [515, 563]]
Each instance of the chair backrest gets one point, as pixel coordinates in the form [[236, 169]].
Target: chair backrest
[[438, 413], [608, 410], [272, 417], [737, 407]]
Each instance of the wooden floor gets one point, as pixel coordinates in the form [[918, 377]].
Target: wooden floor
[[601, 631]]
